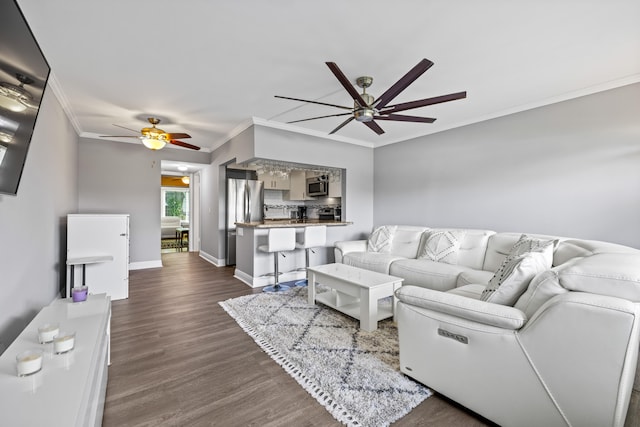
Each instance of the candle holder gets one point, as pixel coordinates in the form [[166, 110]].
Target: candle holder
[[79, 293], [29, 362], [64, 342], [47, 332]]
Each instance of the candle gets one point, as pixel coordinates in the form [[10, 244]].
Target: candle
[[47, 332], [79, 293], [29, 362], [64, 342]]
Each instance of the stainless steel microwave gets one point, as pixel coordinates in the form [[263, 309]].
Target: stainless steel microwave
[[318, 186]]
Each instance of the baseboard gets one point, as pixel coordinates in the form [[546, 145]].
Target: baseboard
[[258, 282], [145, 264], [211, 259]]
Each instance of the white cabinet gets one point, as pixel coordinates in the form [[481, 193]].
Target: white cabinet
[[274, 183], [298, 186], [70, 388], [335, 186], [100, 236]]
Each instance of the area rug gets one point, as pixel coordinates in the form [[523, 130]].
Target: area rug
[[170, 244], [354, 374]]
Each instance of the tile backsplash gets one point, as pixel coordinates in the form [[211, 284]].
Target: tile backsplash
[[276, 207]]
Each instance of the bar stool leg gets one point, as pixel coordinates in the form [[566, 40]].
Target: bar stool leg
[[303, 282], [276, 287]]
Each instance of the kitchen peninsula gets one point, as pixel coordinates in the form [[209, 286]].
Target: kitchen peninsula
[[252, 266]]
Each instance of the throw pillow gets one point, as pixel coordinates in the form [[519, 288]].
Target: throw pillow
[[380, 239], [527, 258], [443, 246]]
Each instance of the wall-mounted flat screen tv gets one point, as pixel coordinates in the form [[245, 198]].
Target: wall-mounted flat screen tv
[[23, 76]]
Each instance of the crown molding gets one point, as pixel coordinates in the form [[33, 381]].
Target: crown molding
[[52, 82]]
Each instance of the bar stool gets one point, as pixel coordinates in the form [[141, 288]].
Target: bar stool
[[314, 237], [278, 240]]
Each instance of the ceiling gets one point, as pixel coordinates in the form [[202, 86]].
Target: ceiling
[[210, 68]]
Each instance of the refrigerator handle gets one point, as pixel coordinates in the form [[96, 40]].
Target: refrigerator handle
[[247, 203]]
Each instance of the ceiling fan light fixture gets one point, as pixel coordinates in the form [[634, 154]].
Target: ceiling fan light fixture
[[11, 97], [153, 143], [364, 114]]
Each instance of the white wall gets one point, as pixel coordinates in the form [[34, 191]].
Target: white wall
[[33, 223], [569, 169], [116, 177]]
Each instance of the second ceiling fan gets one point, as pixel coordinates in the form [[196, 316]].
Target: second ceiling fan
[[367, 109]]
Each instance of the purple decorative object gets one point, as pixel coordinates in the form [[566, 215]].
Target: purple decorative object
[[79, 293]]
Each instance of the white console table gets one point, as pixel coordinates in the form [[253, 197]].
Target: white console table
[[70, 389]]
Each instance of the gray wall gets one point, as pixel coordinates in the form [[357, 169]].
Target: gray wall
[[116, 177], [33, 223], [569, 169], [269, 143]]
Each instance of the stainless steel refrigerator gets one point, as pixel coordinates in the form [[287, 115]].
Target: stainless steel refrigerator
[[245, 201]]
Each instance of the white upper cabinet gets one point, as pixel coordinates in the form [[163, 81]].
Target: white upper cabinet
[[335, 186], [298, 186], [274, 183]]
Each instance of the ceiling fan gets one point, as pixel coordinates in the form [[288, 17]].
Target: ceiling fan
[[155, 138], [367, 109]]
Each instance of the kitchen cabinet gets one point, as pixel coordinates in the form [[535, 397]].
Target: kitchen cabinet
[[274, 183], [298, 186], [335, 186]]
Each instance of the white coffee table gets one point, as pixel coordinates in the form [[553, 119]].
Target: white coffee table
[[355, 292]]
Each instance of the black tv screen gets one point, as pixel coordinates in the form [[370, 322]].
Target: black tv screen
[[23, 76]]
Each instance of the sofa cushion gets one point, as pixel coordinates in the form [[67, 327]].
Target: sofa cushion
[[407, 239], [470, 277], [614, 274], [541, 289], [473, 248], [442, 246], [373, 261], [469, 291], [575, 248], [380, 239], [427, 274], [527, 258]]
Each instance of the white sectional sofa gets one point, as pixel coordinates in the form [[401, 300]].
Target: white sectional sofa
[[524, 330]]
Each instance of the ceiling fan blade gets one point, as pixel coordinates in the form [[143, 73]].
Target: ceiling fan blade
[[346, 83], [320, 117], [183, 144], [423, 102], [179, 135], [402, 84], [314, 102], [132, 130], [374, 127], [343, 124], [401, 118], [119, 136]]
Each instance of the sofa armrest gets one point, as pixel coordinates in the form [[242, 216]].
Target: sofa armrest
[[501, 316], [346, 246]]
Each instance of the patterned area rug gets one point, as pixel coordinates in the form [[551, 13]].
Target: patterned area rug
[[170, 244], [354, 374]]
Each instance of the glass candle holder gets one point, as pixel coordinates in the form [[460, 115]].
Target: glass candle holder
[[29, 362], [64, 342], [79, 293], [47, 332]]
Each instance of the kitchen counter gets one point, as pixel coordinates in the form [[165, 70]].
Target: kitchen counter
[[279, 223], [255, 267]]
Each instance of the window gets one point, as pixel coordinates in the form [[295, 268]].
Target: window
[[175, 202]]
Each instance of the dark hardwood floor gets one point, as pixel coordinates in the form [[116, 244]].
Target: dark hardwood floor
[[178, 359]]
